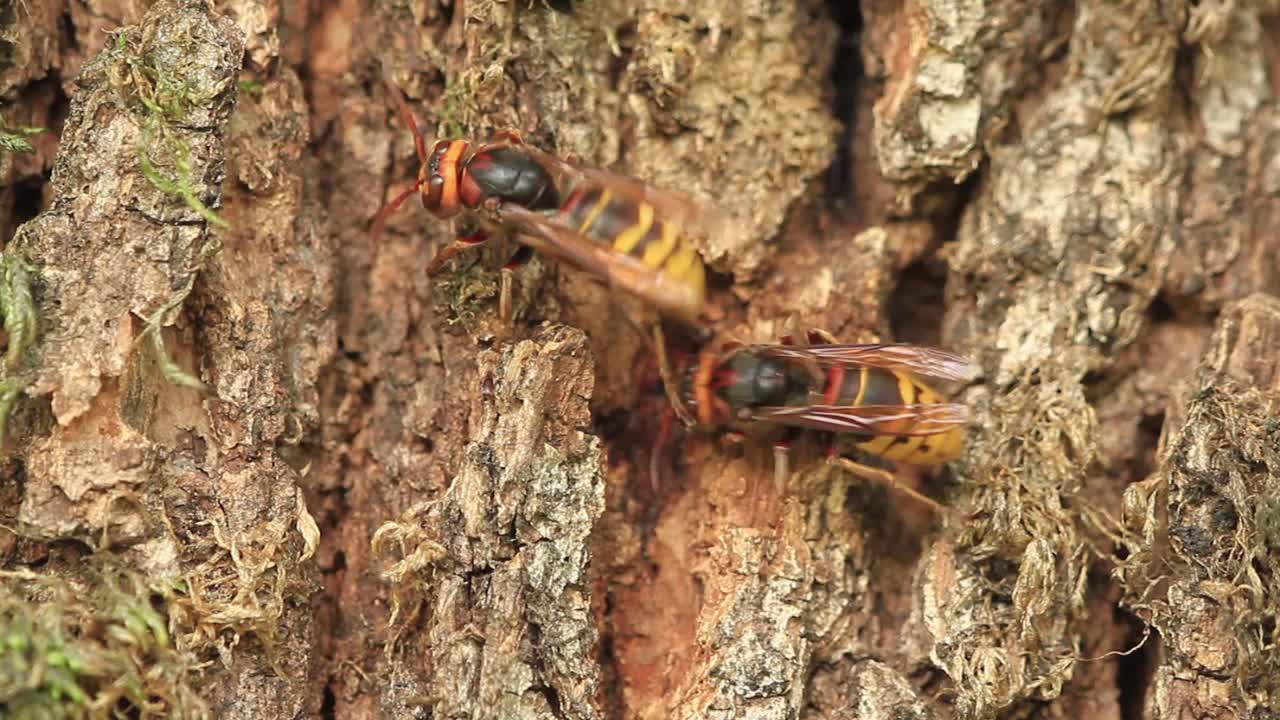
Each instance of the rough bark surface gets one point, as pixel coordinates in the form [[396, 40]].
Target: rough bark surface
[[257, 465]]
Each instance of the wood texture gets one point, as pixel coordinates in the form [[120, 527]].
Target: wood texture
[[260, 466]]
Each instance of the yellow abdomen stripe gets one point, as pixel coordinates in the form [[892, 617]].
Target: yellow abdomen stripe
[[902, 447], [680, 263], [629, 238], [657, 252], [601, 204]]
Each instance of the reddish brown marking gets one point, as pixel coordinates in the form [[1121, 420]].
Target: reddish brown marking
[[519, 258], [571, 205], [835, 381], [702, 389], [722, 408], [469, 190], [723, 379]]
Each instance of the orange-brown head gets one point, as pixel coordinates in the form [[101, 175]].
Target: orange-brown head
[[440, 178], [458, 175]]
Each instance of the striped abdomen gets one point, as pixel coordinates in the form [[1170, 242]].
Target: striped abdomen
[[632, 228], [876, 386]]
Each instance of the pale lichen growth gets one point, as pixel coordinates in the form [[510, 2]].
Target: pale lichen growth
[[1201, 565]]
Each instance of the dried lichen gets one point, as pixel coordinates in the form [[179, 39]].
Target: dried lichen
[[952, 72], [409, 549], [1061, 254], [225, 611], [1201, 566], [1002, 636]]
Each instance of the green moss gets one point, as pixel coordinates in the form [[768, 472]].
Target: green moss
[[98, 646], [170, 369], [17, 306], [14, 139], [181, 185], [451, 116], [19, 310], [160, 86], [155, 327], [164, 90], [10, 390], [162, 98]]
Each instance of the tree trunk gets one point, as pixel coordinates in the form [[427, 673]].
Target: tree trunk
[[258, 465]]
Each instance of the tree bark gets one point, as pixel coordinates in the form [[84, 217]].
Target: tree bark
[[257, 465]]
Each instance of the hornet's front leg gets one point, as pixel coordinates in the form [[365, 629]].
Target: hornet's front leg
[[874, 474], [506, 307], [668, 376], [465, 241], [507, 137]]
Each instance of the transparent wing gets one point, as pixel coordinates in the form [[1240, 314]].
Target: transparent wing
[[897, 420], [690, 214], [615, 269], [914, 359]]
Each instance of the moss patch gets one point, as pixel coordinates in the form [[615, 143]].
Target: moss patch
[[14, 139], [97, 646], [162, 86], [19, 310]]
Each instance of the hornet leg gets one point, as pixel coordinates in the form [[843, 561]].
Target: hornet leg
[[655, 455], [464, 242], [886, 477], [781, 464], [508, 136], [818, 336], [506, 307], [668, 377], [781, 471]]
